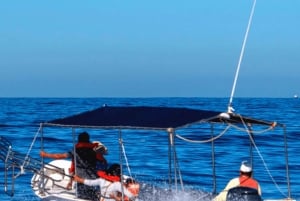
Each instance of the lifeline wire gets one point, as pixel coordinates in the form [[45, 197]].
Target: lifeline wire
[[241, 57], [254, 132], [204, 141]]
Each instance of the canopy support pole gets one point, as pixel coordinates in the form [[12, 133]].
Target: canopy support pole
[[173, 160], [42, 190], [171, 139], [251, 136], [74, 157], [287, 162], [121, 161]]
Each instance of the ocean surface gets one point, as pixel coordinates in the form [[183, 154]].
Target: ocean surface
[[147, 151]]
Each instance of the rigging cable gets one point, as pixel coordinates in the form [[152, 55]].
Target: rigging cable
[[27, 157], [230, 109], [125, 158], [262, 158]]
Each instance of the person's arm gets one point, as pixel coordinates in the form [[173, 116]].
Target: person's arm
[[259, 189], [78, 179], [54, 156], [88, 182]]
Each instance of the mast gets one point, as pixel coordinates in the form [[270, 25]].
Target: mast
[[230, 108]]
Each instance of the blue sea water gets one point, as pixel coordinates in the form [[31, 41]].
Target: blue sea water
[[147, 151]]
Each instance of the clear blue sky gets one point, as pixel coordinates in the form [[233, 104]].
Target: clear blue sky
[[157, 48]]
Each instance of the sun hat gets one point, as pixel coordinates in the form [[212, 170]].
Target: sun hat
[[245, 167]]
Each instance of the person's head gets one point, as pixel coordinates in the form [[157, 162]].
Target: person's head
[[130, 181], [132, 186], [114, 170], [246, 169], [83, 137]]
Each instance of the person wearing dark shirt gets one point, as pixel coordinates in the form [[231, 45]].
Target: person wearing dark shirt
[[85, 160]]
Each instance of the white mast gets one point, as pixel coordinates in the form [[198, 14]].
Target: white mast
[[230, 109]]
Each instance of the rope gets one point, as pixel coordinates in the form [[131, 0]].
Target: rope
[[204, 141], [241, 57], [261, 157], [255, 132]]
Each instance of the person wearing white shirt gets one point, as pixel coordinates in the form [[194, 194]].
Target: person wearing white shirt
[[109, 190], [244, 180]]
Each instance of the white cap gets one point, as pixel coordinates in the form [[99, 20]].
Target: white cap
[[246, 167]]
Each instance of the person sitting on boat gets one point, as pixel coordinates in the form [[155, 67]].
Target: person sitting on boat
[[110, 184], [86, 162], [245, 180]]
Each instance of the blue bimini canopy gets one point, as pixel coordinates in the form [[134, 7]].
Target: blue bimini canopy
[[138, 117], [146, 117]]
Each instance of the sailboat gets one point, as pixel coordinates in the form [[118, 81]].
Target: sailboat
[[49, 180]]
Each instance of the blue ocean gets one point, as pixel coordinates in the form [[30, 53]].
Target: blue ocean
[[147, 151]]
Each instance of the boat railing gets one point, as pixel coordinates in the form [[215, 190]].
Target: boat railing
[[49, 177], [16, 164]]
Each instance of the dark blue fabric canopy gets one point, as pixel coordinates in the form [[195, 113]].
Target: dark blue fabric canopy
[[150, 117], [141, 117]]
